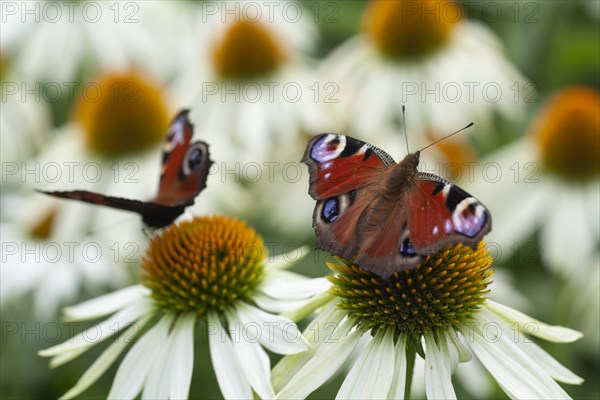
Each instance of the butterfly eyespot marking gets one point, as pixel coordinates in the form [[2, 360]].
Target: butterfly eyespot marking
[[406, 248], [331, 210], [193, 159], [469, 217], [328, 148]]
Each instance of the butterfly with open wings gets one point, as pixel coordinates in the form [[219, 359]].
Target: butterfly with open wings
[[384, 215], [185, 167]]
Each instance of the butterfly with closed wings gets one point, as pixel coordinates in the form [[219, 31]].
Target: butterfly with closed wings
[[185, 167], [383, 215]]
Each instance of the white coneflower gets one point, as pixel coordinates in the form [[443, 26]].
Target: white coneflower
[[62, 42], [247, 77], [246, 74], [210, 268], [428, 56], [549, 183], [438, 310], [112, 147]]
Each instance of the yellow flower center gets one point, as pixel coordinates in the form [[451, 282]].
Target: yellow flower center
[[247, 50], [568, 134], [405, 29], [204, 264], [444, 291], [122, 113], [43, 228]]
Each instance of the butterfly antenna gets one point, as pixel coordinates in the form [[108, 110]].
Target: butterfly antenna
[[404, 126], [446, 137]]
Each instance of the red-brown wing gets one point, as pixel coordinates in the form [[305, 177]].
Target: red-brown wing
[[338, 164], [440, 213], [185, 165], [336, 222], [384, 243], [342, 172]]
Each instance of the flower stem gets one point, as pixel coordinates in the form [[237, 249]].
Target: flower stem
[[410, 369]]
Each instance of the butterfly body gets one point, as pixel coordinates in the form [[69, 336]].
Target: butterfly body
[[184, 172], [384, 215]]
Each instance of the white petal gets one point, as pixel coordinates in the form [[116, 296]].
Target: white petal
[[231, 378], [566, 228], [156, 384], [172, 371], [373, 372], [532, 326], [438, 369], [291, 286], [287, 260], [399, 382], [106, 359], [318, 332], [276, 305], [454, 339], [518, 375], [136, 365], [278, 334], [327, 360], [99, 332], [104, 305], [252, 358], [182, 360], [67, 356], [549, 364]]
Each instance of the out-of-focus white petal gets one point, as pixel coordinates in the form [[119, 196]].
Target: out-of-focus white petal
[[106, 359], [99, 332]]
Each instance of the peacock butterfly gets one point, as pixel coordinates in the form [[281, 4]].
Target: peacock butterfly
[[185, 167], [385, 216]]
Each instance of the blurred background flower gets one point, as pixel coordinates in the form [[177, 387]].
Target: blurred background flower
[[526, 73], [430, 56], [107, 148]]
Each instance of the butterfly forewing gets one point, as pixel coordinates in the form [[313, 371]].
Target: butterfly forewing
[[440, 213], [341, 171], [184, 172], [338, 164]]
